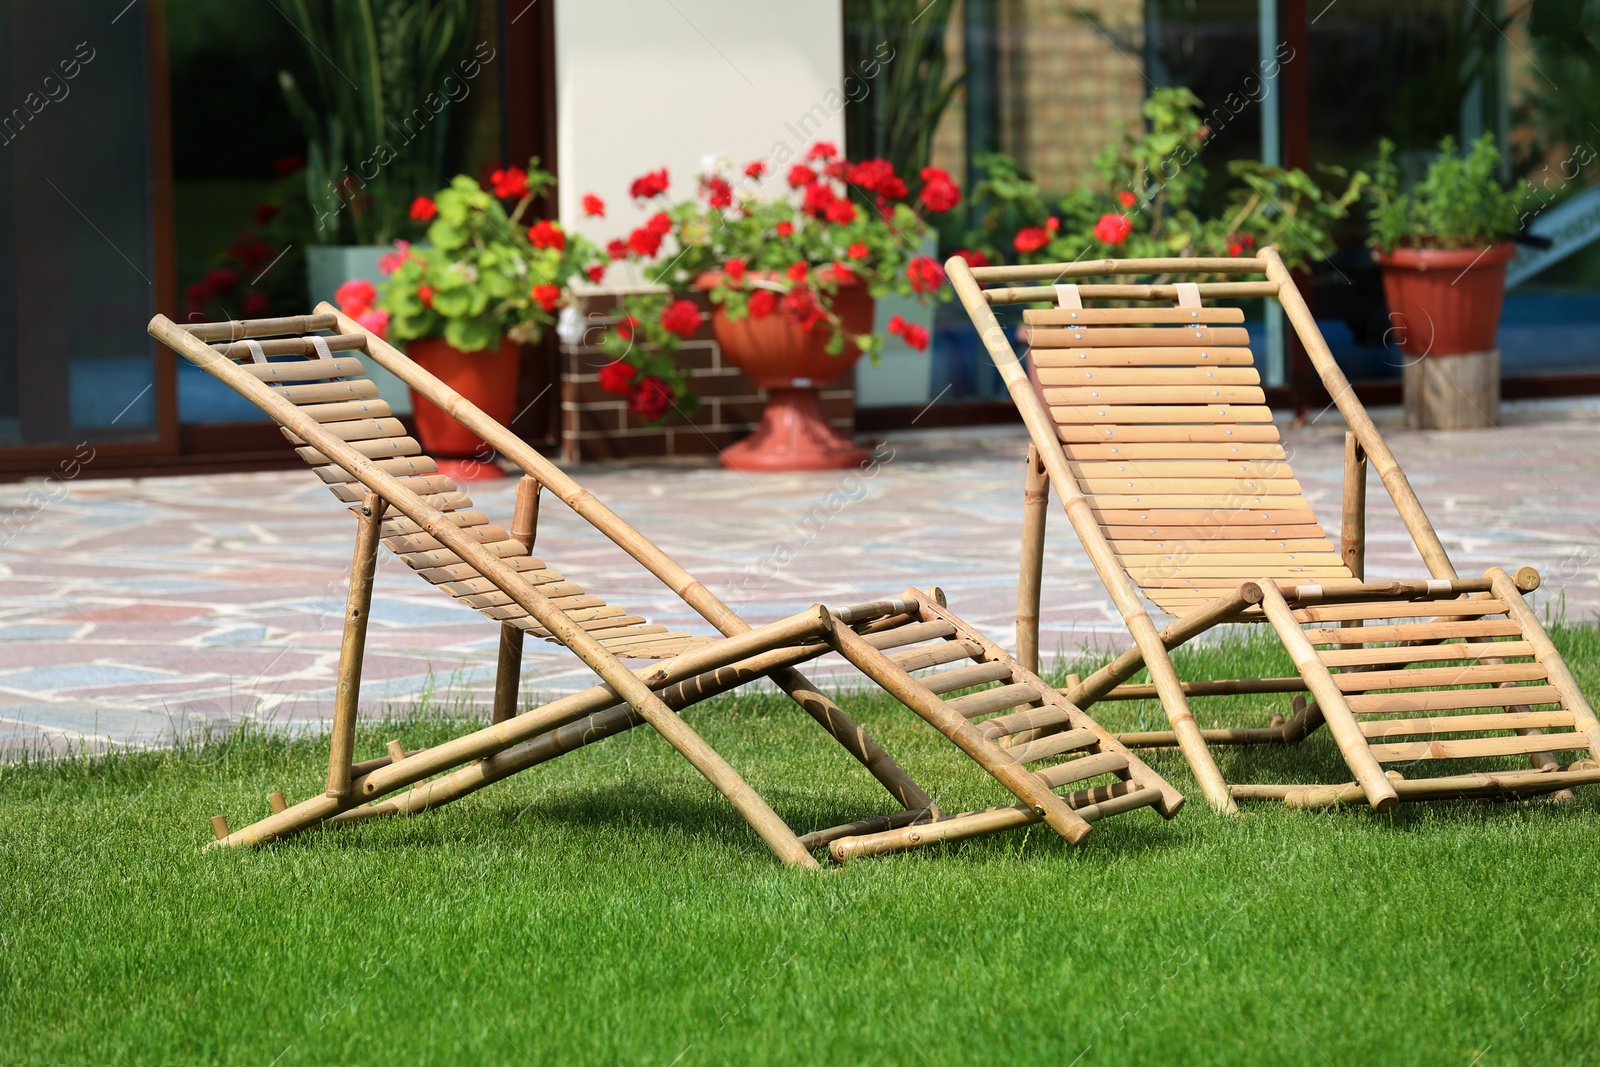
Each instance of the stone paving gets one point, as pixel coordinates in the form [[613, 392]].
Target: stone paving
[[136, 610]]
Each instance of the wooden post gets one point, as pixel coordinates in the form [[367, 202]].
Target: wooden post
[[508, 673], [1030, 577], [1353, 524], [1454, 392], [358, 604]]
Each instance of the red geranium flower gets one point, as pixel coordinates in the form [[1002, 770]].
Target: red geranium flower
[[822, 150], [858, 251], [1128, 198], [785, 228], [225, 280], [423, 209], [284, 166], [264, 213], [649, 401], [644, 242], [681, 317], [801, 306], [255, 304], [595, 271], [509, 184], [545, 295], [660, 223], [1052, 224], [625, 327], [734, 269], [719, 194], [915, 336], [546, 234], [1113, 229], [926, 275], [593, 206], [1031, 239], [797, 271], [617, 248], [617, 377], [755, 169], [973, 257], [425, 294], [390, 262], [652, 184], [839, 273], [818, 199], [762, 303], [939, 193], [842, 212], [375, 320], [355, 296], [800, 174]]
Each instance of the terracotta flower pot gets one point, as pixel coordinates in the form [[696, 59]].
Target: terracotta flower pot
[[1445, 301], [792, 363], [487, 379]]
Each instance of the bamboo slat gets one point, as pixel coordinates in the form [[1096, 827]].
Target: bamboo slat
[[1479, 746], [1181, 468], [240, 329], [1054, 350], [355, 430], [1424, 609], [1137, 337], [309, 370], [1129, 316], [1220, 416], [1424, 653], [292, 346], [1455, 724], [329, 392], [991, 700], [1099, 393], [1083, 768], [1081, 374], [1053, 745], [1449, 699], [404, 465], [1046, 294], [1420, 631], [965, 677], [377, 448], [1099, 433], [945, 652], [1090, 268], [1420, 677]]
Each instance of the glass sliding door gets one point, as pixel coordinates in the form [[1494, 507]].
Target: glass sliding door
[[77, 263]]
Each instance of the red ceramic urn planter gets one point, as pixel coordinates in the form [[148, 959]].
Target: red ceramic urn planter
[[488, 379], [1445, 301], [792, 364]]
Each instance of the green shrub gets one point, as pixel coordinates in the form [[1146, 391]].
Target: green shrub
[[1459, 203]]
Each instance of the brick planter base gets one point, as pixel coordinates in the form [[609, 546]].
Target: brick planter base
[[596, 425]]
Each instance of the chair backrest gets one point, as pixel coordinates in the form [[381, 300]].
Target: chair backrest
[[321, 374], [1161, 416]]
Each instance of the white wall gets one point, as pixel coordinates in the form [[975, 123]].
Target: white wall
[[642, 84]]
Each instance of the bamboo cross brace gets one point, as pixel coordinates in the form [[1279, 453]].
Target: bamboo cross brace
[[689, 589], [627, 685]]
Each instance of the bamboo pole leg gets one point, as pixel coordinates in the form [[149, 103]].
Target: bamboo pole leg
[[508, 672], [352, 647], [1353, 524], [1035, 509], [1375, 785]]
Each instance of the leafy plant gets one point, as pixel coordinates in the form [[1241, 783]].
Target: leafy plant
[[908, 94], [1459, 203], [376, 116], [1146, 202], [484, 275], [760, 253]]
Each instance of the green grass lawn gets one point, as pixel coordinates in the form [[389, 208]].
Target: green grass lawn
[[609, 907]]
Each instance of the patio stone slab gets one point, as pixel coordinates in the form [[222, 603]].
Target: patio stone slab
[[131, 604]]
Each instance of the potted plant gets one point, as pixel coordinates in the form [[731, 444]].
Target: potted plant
[[485, 282], [1443, 248], [376, 119], [1147, 202], [792, 277]]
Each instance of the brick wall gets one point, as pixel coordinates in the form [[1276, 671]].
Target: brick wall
[[596, 425]]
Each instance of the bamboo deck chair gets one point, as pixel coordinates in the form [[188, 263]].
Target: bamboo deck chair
[[1148, 420], [306, 373]]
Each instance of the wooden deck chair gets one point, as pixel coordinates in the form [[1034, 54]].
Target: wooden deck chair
[[1149, 421], [306, 373]]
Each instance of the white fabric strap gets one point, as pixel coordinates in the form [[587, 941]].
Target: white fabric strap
[[256, 353], [320, 343], [1067, 297], [1188, 295]]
